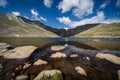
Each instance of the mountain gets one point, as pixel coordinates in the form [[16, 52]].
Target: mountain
[[101, 30], [11, 25], [59, 32], [79, 29]]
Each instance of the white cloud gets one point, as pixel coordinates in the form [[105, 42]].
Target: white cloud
[[48, 3], [26, 17], [36, 16], [16, 13], [105, 4], [34, 13], [79, 8], [118, 3], [64, 20], [3, 3], [108, 21], [42, 18], [99, 18]]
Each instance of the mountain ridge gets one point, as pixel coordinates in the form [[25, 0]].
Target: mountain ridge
[[11, 25]]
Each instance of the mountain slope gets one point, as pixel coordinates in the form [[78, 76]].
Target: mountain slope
[[79, 29], [11, 25], [102, 30], [59, 32]]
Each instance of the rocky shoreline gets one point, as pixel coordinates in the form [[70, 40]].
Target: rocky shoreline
[[72, 63]]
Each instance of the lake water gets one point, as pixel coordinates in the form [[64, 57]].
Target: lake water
[[93, 67], [85, 43]]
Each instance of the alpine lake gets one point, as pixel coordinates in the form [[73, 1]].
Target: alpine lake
[[97, 58]]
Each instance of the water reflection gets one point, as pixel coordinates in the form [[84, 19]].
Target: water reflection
[[86, 43], [77, 63], [77, 58]]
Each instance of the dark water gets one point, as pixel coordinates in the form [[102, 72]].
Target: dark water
[[85, 43], [96, 68]]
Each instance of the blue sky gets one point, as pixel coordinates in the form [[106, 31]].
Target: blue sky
[[64, 13]]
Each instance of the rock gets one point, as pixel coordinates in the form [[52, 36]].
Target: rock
[[50, 74], [19, 52], [118, 72], [80, 70], [40, 62], [22, 77], [57, 48], [3, 47], [87, 58], [18, 68], [73, 55], [58, 55], [109, 57], [26, 65]]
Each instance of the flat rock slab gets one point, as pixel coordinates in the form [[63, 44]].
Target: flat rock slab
[[3, 47], [19, 52]]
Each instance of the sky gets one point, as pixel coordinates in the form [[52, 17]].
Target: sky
[[64, 13]]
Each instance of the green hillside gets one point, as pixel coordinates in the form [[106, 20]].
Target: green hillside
[[102, 30], [21, 29]]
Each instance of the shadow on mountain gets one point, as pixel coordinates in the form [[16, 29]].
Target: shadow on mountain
[[60, 32], [80, 29]]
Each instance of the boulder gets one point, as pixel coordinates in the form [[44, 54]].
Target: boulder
[[3, 47], [26, 65], [22, 77], [40, 62], [19, 52], [57, 48], [109, 57], [74, 55], [87, 58], [50, 75], [80, 70], [58, 55]]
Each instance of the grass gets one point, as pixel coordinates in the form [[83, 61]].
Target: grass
[[102, 30], [12, 28], [57, 76]]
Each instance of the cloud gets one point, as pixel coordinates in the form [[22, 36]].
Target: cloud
[[34, 13], [106, 2], [16, 13], [3, 3], [48, 3], [112, 20], [36, 16], [103, 5], [118, 3], [42, 18], [99, 18], [79, 8], [64, 20]]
